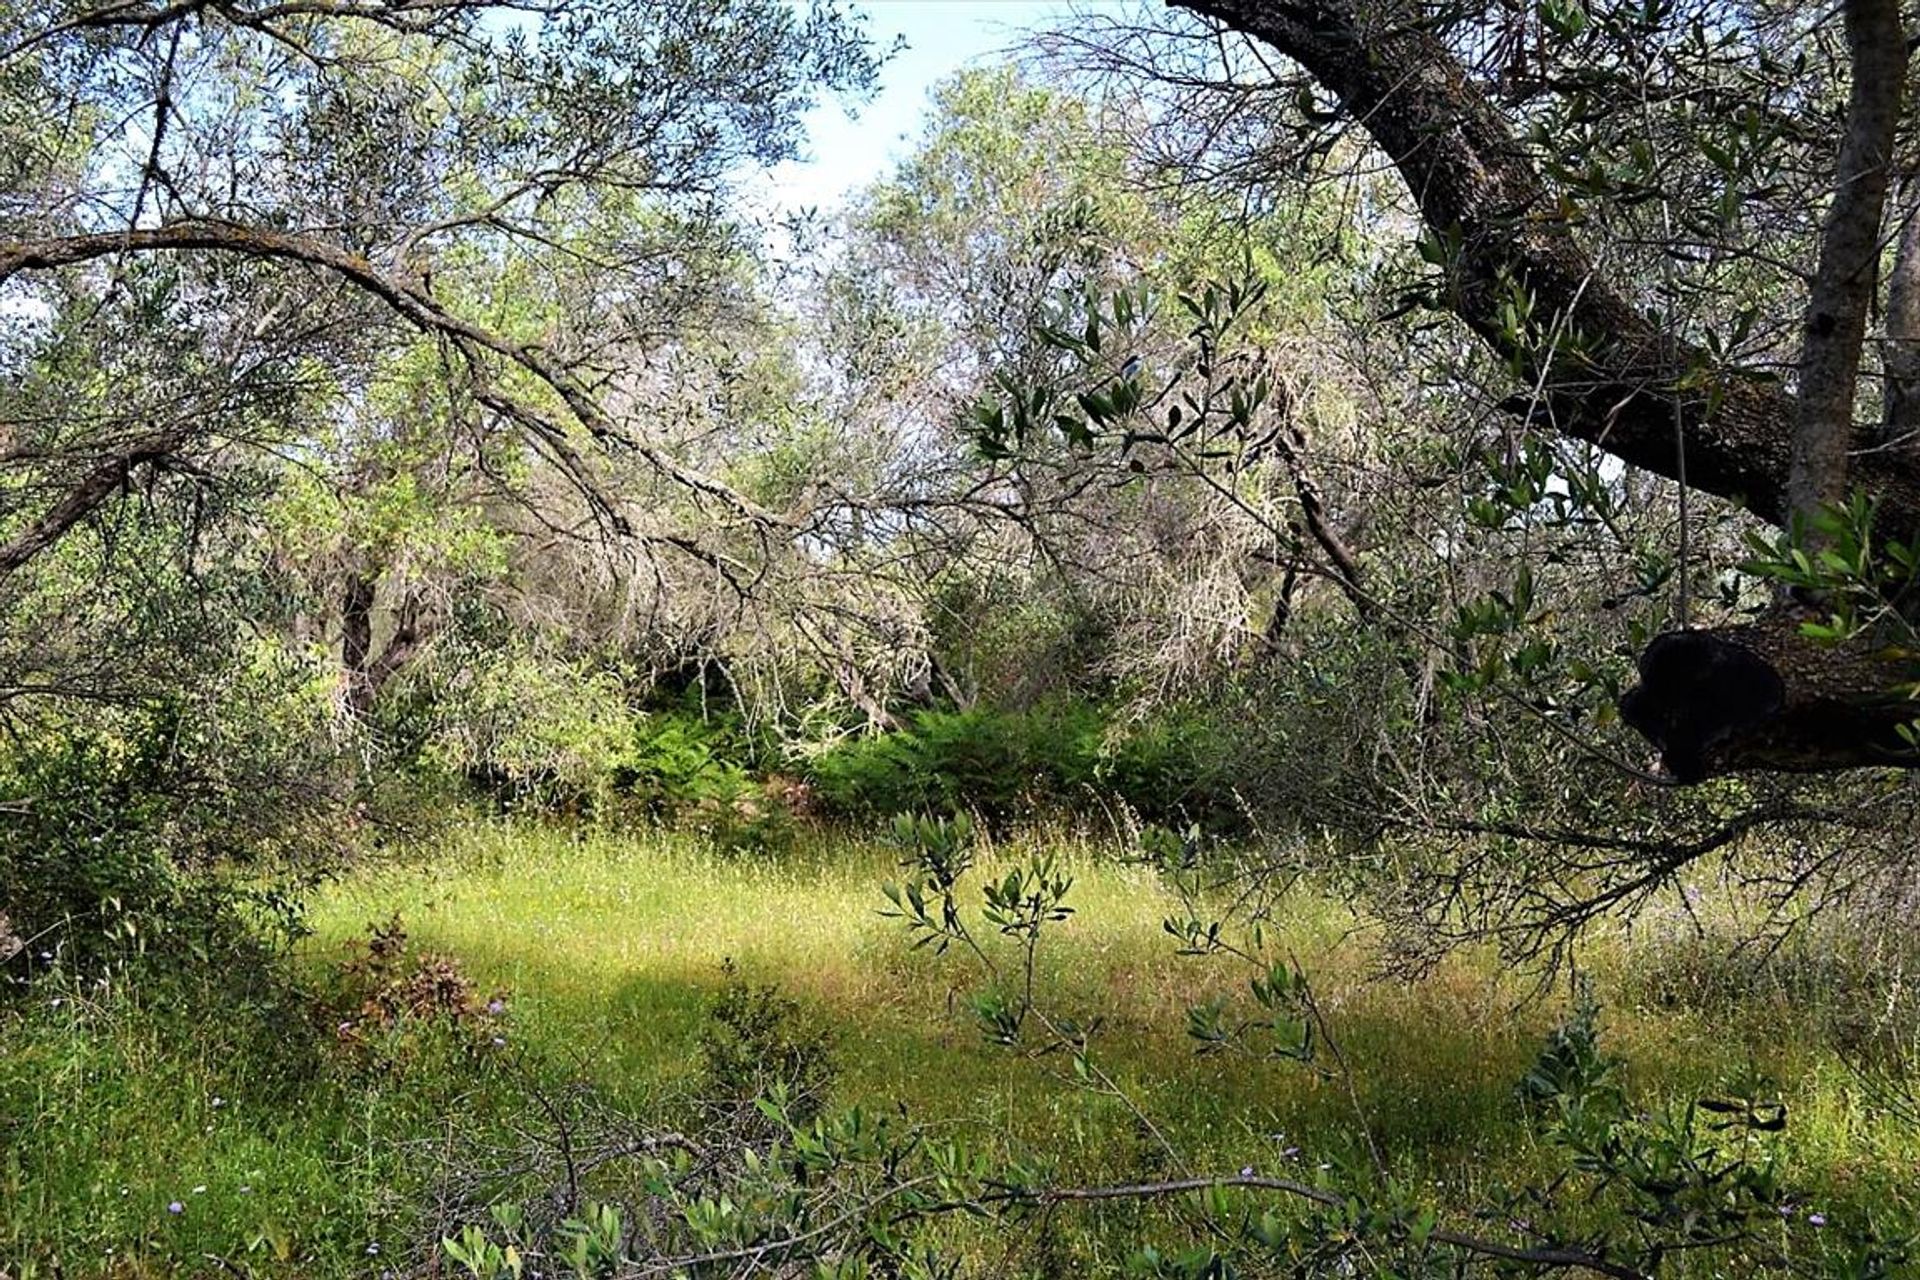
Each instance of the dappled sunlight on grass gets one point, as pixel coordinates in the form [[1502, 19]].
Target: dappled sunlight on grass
[[612, 945]]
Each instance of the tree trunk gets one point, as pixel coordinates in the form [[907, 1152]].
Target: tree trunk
[[366, 673], [356, 639], [1900, 355], [1844, 283], [1757, 696]]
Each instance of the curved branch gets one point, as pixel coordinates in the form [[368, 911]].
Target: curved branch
[[1290, 445], [803, 1243], [83, 498], [407, 299], [405, 16], [1617, 384]]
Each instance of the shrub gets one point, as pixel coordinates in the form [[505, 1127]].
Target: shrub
[[692, 770], [757, 1043], [534, 735], [570, 742], [122, 843], [1179, 767], [992, 762], [388, 996], [1176, 767]]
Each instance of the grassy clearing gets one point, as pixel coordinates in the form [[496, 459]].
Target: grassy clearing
[[118, 1108]]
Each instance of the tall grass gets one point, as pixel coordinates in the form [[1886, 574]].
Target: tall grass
[[118, 1106]]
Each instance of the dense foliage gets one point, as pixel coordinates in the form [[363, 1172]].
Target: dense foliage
[[1487, 496]]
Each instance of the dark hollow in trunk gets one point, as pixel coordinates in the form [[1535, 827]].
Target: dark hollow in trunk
[[1765, 696]]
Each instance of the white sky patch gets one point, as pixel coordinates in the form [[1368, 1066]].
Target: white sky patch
[[847, 151], [21, 311]]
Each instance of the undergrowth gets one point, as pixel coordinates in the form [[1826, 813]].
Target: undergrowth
[[148, 1128]]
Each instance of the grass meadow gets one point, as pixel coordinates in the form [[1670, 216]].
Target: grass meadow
[[187, 1129]]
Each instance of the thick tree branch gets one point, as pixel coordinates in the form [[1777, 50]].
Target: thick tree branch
[[1618, 379], [1762, 696], [1290, 444], [80, 501], [406, 16], [1765, 696]]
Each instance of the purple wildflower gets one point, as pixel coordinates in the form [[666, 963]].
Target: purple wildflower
[[176, 1207]]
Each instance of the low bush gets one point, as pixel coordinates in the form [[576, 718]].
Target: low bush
[[757, 1043], [693, 771], [1180, 767], [123, 844], [534, 736], [1175, 767], [388, 1000]]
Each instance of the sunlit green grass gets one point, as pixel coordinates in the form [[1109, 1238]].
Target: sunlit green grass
[[613, 960], [614, 945], [611, 949]]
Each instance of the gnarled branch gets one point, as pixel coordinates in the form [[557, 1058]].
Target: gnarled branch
[[408, 300], [1616, 385]]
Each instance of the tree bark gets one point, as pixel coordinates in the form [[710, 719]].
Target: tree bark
[[1900, 354], [1844, 282], [402, 647], [1758, 696], [1474, 184], [356, 639], [1290, 445]]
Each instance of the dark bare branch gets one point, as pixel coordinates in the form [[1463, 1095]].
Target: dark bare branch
[[1290, 443], [85, 497], [408, 16]]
